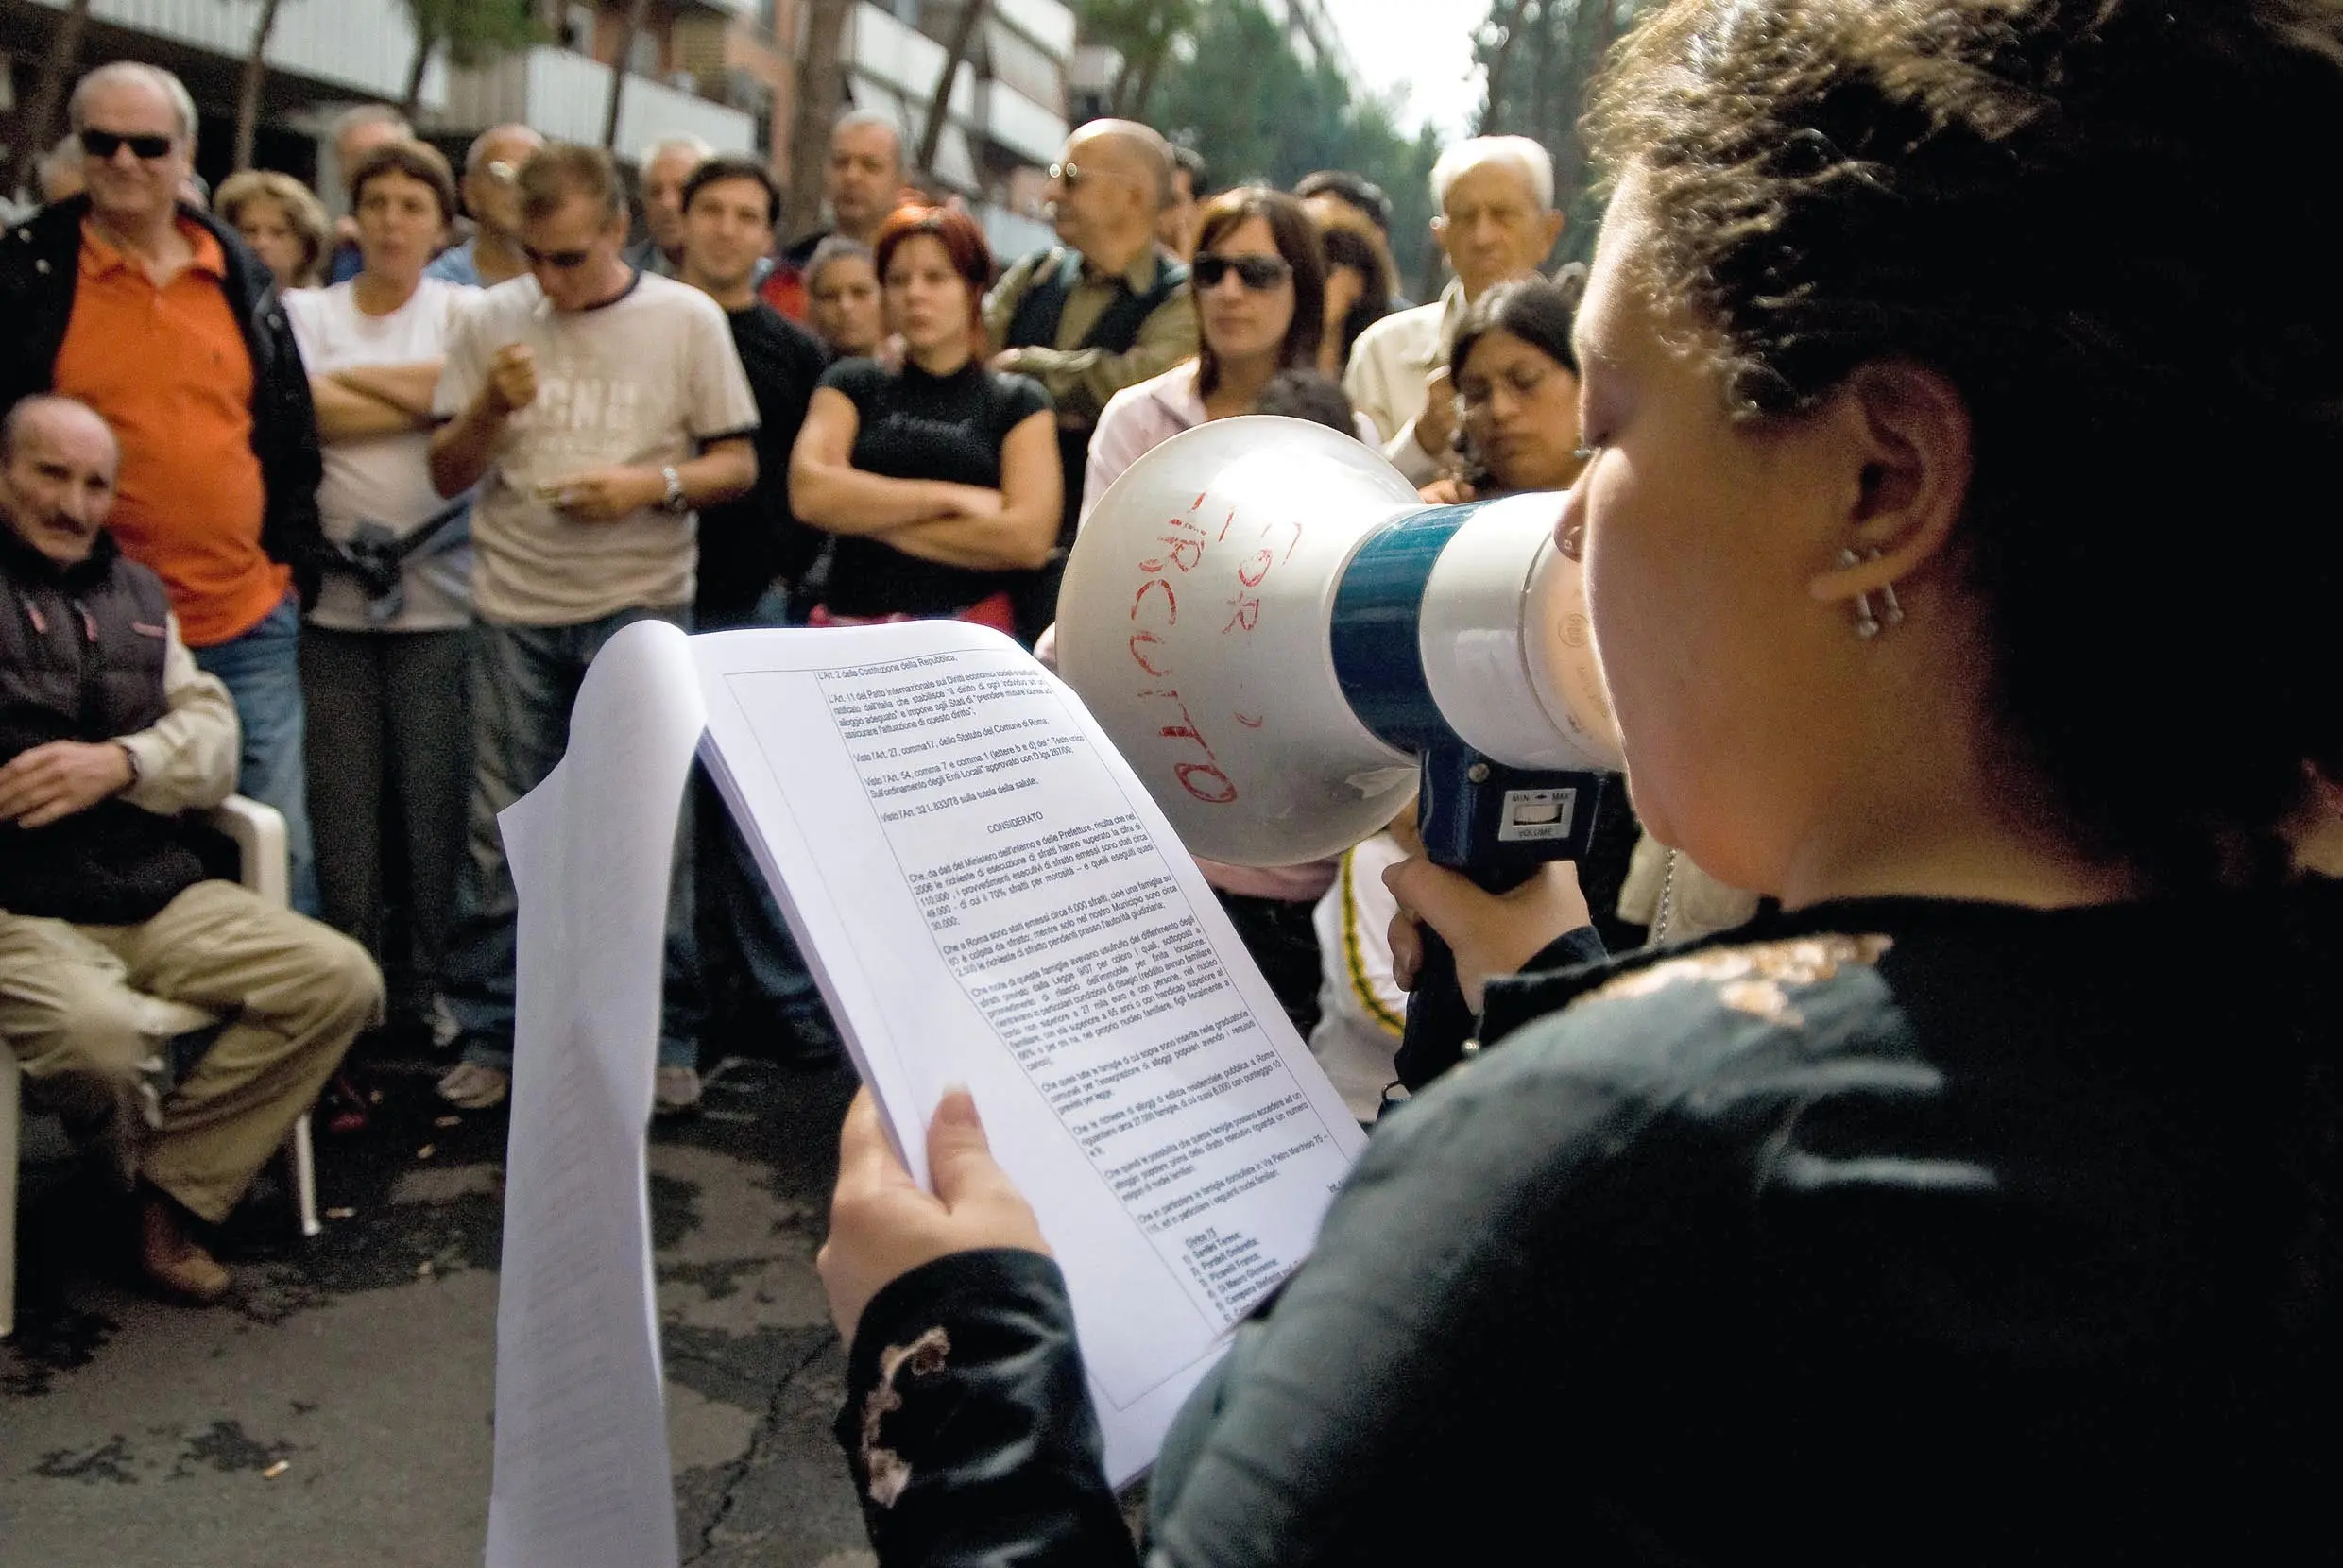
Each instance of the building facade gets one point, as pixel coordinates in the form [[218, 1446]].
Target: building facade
[[325, 55], [722, 69], [1007, 114]]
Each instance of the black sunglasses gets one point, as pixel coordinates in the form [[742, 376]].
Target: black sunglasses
[[103, 144], [560, 261], [1260, 273]]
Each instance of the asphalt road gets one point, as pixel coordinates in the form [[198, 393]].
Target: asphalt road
[[337, 1410]]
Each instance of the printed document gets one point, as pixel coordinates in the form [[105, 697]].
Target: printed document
[[987, 896]]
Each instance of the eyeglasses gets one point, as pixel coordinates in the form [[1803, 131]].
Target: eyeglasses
[[1259, 273], [560, 261], [1072, 175], [103, 144]]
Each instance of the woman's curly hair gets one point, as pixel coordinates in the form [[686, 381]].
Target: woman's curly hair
[[2101, 220]]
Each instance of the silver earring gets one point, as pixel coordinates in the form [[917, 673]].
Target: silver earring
[[1868, 623]]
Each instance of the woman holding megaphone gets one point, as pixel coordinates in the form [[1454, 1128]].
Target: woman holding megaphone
[[1977, 1207]]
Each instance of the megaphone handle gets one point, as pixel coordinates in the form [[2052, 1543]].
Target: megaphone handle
[[1440, 1022]]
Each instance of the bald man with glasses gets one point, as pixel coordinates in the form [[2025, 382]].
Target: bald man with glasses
[[492, 198], [1104, 308]]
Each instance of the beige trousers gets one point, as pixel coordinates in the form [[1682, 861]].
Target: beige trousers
[[77, 1009]]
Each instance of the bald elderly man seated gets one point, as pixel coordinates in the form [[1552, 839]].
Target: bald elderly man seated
[[108, 731]]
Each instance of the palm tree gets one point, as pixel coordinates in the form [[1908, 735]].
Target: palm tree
[[971, 16], [819, 84], [41, 114], [255, 74], [637, 12], [1509, 35], [1146, 33], [473, 33]]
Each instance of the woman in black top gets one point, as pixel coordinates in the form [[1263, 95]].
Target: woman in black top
[[1978, 1208], [940, 480]]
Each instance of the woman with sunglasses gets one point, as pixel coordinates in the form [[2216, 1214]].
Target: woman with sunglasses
[[940, 479], [1259, 281], [1259, 278], [1979, 1208]]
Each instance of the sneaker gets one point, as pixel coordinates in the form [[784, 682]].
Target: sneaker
[[675, 1092], [472, 1086]]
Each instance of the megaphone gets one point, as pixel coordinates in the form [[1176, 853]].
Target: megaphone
[[1286, 645]]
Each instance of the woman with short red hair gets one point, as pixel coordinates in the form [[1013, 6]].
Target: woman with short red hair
[[940, 479]]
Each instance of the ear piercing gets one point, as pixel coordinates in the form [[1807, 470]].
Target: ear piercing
[[1867, 623]]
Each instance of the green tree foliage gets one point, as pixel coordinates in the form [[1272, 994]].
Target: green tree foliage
[[1539, 57], [473, 33], [1237, 91], [1148, 34]]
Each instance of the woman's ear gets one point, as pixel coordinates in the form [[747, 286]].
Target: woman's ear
[[1907, 431]]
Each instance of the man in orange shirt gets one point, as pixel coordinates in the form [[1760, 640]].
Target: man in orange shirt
[[155, 315]]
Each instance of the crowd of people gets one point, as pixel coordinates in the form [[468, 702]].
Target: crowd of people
[[402, 452], [1916, 1187]]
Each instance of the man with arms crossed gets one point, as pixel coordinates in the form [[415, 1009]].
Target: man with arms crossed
[[576, 399]]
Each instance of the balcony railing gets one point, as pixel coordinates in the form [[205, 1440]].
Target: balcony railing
[[365, 49], [566, 96], [1046, 22], [1022, 126]]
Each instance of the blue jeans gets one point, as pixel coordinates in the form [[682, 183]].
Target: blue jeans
[[524, 681], [261, 669], [740, 912]]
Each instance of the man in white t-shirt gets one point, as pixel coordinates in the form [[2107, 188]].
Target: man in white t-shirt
[[383, 652], [596, 407]]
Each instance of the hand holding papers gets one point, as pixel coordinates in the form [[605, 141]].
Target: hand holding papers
[[988, 896]]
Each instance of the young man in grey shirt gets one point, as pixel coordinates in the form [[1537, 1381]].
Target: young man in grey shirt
[[597, 407]]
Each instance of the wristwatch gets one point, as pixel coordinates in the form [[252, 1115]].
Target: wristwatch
[[676, 500]]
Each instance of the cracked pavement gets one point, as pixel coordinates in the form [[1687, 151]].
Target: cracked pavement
[[337, 1410]]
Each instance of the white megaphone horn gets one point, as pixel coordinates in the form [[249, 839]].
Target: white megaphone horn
[[1282, 640]]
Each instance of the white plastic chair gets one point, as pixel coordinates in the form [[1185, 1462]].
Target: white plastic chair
[[259, 834]]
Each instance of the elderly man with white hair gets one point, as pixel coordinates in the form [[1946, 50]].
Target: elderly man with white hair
[[667, 164], [1497, 223]]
